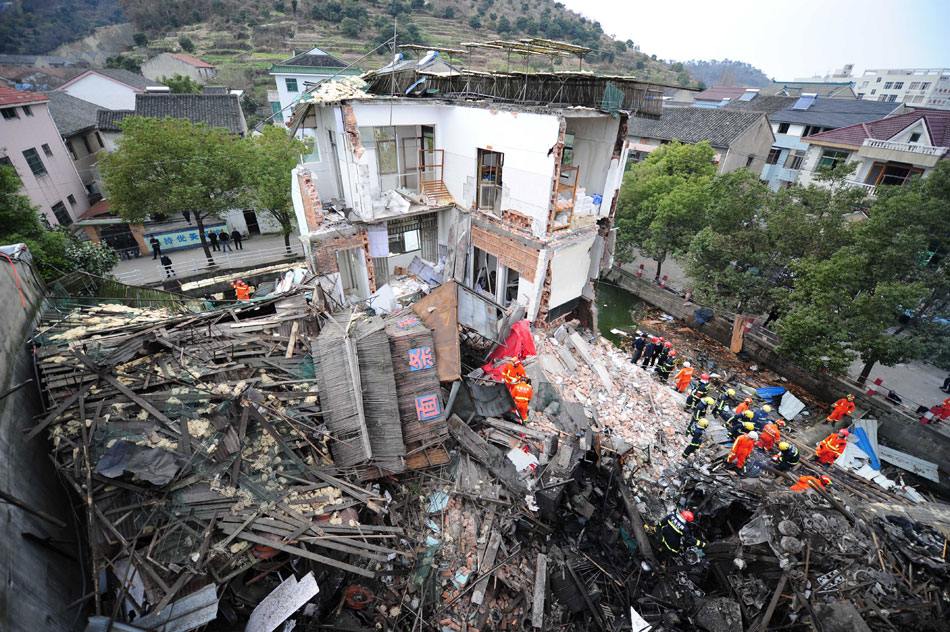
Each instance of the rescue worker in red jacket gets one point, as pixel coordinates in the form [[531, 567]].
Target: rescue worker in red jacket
[[741, 450], [521, 393], [831, 447], [513, 372], [744, 405], [769, 436], [842, 407], [806, 483]]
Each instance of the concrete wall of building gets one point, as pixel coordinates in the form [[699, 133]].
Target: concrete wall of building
[[39, 581], [570, 266], [103, 91], [86, 161], [166, 65], [755, 142], [288, 98], [61, 178]]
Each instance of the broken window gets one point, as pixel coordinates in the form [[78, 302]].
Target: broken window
[[485, 272], [895, 174], [490, 165], [385, 138]]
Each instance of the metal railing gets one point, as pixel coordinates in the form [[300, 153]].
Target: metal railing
[[924, 150], [870, 189]]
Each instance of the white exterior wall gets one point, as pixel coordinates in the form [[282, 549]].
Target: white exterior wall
[[288, 98], [103, 91], [936, 95], [569, 271], [165, 65], [61, 178], [794, 129]]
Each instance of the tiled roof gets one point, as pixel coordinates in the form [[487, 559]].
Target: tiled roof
[[216, 110], [131, 79], [9, 96], [828, 112], [99, 208], [821, 88], [314, 57], [692, 125], [70, 114], [766, 104], [937, 121], [109, 120], [718, 93], [191, 60]]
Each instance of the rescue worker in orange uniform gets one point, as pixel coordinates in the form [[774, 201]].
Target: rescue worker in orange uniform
[[513, 372], [769, 436], [831, 447], [806, 483], [521, 393], [842, 407], [741, 449], [744, 406], [242, 290], [683, 377]]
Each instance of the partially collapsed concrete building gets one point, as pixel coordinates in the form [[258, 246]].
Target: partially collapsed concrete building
[[506, 183]]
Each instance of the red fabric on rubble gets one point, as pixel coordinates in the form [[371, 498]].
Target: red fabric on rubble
[[519, 344]]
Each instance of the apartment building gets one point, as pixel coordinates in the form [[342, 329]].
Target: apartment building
[[295, 75], [918, 87], [31, 143], [888, 151], [512, 196]]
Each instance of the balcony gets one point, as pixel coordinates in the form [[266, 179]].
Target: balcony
[[869, 189], [912, 153], [771, 173]]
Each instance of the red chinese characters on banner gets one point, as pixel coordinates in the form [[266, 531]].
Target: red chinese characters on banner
[[421, 358], [407, 323], [428, 407]]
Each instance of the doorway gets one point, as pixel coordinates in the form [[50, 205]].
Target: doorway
[[250, 218]]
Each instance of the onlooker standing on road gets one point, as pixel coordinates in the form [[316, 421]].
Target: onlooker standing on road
[[236, 237], [213, 238], [156, 247], [225, 241], [167, 264]]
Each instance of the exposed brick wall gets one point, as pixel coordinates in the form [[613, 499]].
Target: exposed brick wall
[[509, 252], [352, 131], [544, 303], [519, 220], [624, 127], [324, 254], [312, 206]]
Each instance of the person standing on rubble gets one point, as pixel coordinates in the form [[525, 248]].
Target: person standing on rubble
[[842, 407], [828, 451], [806, 483], [724, 401], [762, 417], [702, 407], [676, 532], [665, 349], [521, 393], [699, 392], [787, 457], [744, 406], [683, 377], [638, 344], [648, 351], [663, 370], [696, 439], [740, 423], [769, 436], [741, 450], [657, 350]]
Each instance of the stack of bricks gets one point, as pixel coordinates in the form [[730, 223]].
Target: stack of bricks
[[509, 252], [517, 220], [325, 250]]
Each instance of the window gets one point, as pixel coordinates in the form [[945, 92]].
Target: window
[[891, 174], [831, 158], [898, 85], [773, 157], [9, 113], [28, 110], [748, 160], [72, 150], [72, 200], [878, 80], [36, 163], [924, 85], [794, 160], [891, 98], [915, 85], [62, 216], [873, 91], [489, 176], [291, 85], [385, 138], [85, 143], [783, 128], [888, 85], [914, 137], [47, 150], [99, 140]]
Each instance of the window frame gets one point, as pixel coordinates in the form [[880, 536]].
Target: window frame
[[72, 200], [287, 82], [9, 114], [68, 218], [774, 154], [833, 161], [36, 156], [381, 141], [47, 150], [783, 128], [27, 110]]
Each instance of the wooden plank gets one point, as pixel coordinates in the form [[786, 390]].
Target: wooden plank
[[540, 589], [50, 418], [293, 339], [487, 561]]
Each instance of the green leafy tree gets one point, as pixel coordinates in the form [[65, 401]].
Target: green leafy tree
[[168, 166], [186, 44], [662, 202], [350, 27], [270, 157], [140, 39], [56, 251], [181, 84]]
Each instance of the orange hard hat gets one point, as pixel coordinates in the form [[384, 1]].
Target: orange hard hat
[[687, 515], [843, 432]]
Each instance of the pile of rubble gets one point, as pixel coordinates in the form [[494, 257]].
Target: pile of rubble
[[272, 464]]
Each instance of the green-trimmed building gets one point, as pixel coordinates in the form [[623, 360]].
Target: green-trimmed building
[[293, 76]]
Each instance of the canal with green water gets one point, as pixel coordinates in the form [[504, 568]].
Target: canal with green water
[[617, 309]]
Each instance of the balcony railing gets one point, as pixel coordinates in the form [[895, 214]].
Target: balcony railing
[[869, 189], [923, 150]]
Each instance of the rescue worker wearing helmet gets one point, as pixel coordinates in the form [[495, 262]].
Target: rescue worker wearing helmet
[[808, 483], [842, 407], [675, 532], [787, 458], [724, 401], [701, 409], [696, 439], [740, 423], [762, 416], [664, 369], [742, 449], [701, 390], [831, 447]]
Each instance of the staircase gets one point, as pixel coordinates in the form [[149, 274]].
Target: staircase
[[436, 193]]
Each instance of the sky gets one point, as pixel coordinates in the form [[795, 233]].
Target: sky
[[784, 38]]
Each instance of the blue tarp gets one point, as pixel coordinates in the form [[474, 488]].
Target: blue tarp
[[865, 444], [770, 393]]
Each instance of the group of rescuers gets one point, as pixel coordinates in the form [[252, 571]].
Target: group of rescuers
[[748, 428]]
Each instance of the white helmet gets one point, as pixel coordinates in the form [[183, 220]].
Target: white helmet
[[754, 435], [687, 365]]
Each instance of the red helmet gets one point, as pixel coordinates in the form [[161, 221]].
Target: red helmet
[[661, 339], [704, 377], [825, 480], [673, 353], [687, 515], [843, 432], [667, 344]]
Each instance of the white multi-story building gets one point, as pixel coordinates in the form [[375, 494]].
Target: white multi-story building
[[920, 87], [889, 151], [295, 75], [510, 198]]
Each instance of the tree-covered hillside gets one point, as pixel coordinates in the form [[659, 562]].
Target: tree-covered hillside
[[32, 27]]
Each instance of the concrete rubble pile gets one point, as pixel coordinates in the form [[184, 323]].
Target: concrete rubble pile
[[271, 465]]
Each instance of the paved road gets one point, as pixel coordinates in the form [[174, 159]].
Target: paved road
[[187, 263]]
